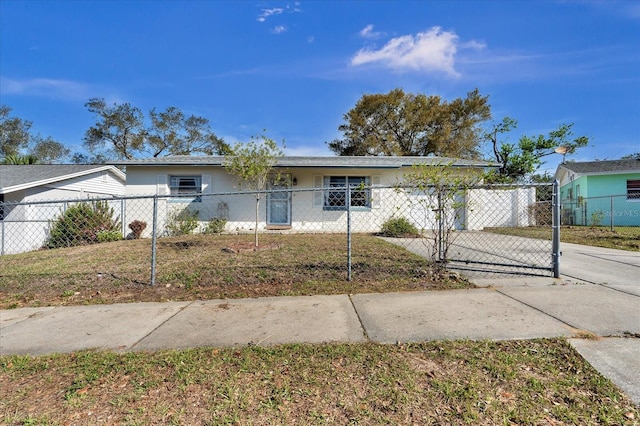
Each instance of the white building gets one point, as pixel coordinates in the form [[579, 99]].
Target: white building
[[26, 192]]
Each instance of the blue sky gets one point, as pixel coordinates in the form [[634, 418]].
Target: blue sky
[[294, 68]]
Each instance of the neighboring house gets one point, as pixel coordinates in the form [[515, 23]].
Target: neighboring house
[[203, 186], [24, 220], [600, 192]]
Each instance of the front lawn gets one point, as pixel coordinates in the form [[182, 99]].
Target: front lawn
[[536, 382], [199, 267]]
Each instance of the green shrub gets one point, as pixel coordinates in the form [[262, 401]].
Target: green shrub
[[215, 226], [597, 218], [399, 227], [182, 222], [107, 236], [82, 224]]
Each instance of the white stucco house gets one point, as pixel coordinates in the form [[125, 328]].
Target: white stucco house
[[33, 195], [305, 202]]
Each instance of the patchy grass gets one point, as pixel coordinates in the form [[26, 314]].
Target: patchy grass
[[197, 267], [622, 237], [486, 383]]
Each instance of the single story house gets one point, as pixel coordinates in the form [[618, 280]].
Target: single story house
[[600, 192], [306, 198], [30, 194]]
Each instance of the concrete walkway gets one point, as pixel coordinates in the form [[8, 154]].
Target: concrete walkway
[[592, 302]]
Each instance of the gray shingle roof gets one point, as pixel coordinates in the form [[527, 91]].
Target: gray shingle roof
[[586, 167], [342, 162], [37, 174]]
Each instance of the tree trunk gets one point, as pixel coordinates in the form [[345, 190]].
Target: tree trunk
[[257, 215]]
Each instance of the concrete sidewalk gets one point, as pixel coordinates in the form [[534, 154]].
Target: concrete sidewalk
[[385, 318]]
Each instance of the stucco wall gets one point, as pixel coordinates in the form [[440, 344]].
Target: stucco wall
[[222, 199]]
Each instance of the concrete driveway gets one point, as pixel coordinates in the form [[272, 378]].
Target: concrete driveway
[[617, 269], [484, 254]]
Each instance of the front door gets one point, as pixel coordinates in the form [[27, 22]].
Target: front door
[[279, 201]]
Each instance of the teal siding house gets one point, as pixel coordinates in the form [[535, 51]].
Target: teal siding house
[[600, 193]]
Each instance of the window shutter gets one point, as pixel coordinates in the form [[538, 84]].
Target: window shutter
[[317, 194], [375, 191], [162, 185], [206, 184]]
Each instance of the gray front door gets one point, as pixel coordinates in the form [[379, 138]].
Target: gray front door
[[279, 201]]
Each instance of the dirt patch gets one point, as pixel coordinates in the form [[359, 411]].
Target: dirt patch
[[186, 244], [249, 247]]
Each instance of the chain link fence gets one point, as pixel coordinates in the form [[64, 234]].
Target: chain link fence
[[445, 226], [610, 211]]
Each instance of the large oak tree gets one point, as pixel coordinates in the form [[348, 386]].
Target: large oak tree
[[406, 124], [18, 145], [121, 132]]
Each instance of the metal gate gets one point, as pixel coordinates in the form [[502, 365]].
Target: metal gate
[[507, 230]]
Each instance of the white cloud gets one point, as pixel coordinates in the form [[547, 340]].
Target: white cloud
[[279, 29], [269, 12], [473, 44], [367, 32], [46, 87], [431, 51]]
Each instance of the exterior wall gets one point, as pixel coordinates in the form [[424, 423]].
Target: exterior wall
[[90, 186], [153, 180], [602, 196], [25, 227], [606, 185], [222, 199], [572, 212], [307, 215], [499, 208]]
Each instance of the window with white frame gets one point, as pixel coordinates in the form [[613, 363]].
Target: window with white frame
[[186, 186], [633, 190], [335, 197]]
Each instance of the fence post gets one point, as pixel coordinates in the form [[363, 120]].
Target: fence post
[[555, 226], [154, 237], [2, 248], [348, 205], [440, 227], [123, 219], [611, 214]]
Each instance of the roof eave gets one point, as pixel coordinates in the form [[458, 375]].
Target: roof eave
[[33, 184]]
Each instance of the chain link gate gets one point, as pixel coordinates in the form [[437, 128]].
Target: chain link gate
[[482, 229], [488, 241]]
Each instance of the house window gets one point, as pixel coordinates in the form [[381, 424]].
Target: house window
[[186, 186], [633, 190], [335, 199]]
